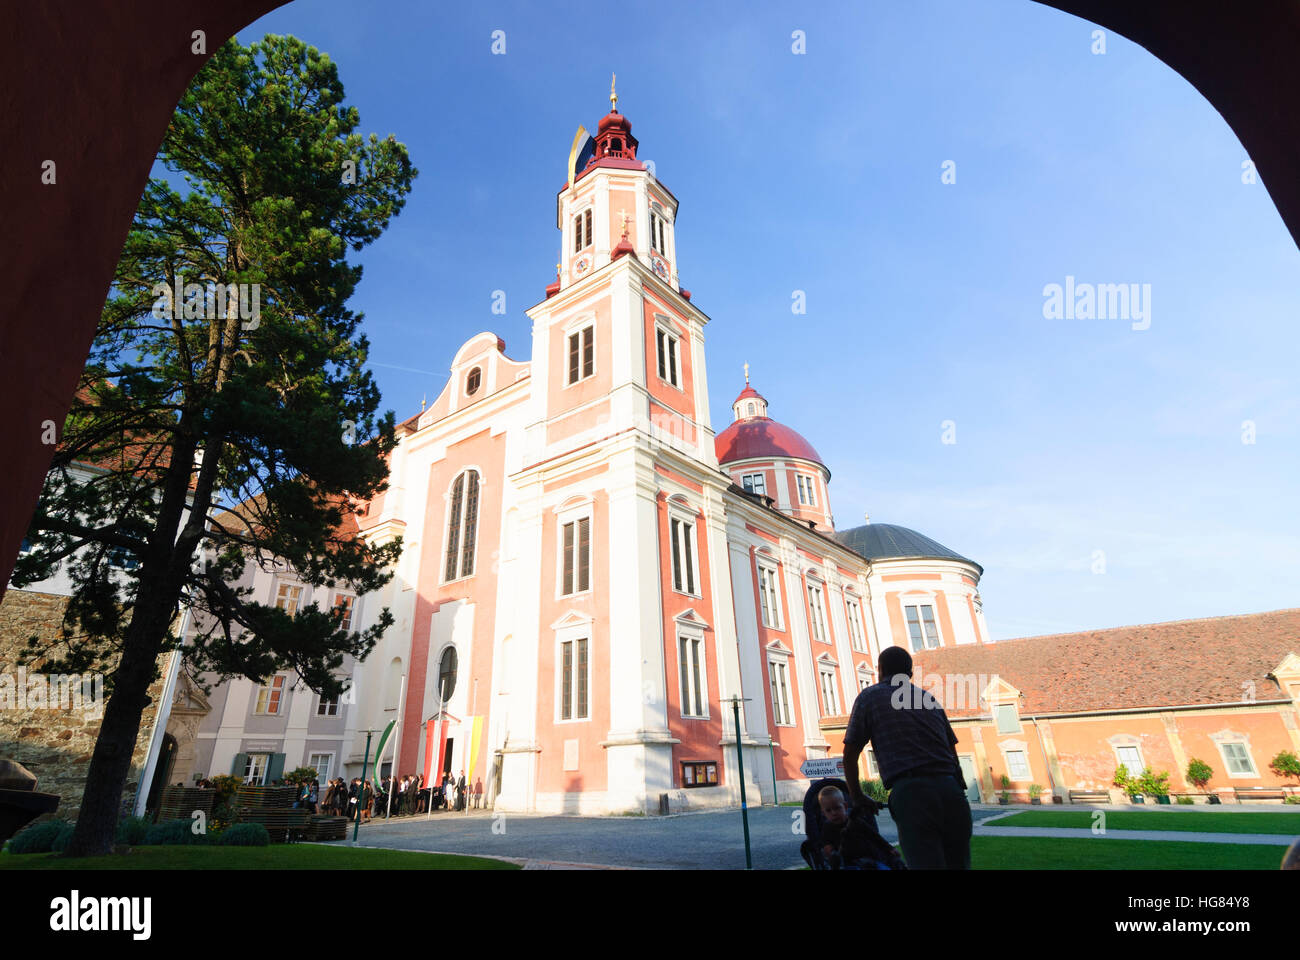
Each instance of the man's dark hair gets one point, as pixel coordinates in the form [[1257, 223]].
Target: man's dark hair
[[893, 661]]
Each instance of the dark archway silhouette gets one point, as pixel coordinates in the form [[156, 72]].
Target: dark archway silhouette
[[92, 85]]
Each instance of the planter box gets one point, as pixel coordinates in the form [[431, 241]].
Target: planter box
[[1214, 799], [1135, 798], [1003, 801], [1036, 801], [1162, 799]]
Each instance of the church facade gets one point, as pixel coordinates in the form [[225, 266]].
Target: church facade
[[596, 583]]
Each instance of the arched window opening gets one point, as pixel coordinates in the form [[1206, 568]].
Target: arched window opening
[[462, 526], [447, 674]]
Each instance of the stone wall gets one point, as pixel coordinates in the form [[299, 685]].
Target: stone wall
[[53, 740]]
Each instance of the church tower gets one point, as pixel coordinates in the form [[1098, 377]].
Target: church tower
[[620, 533]]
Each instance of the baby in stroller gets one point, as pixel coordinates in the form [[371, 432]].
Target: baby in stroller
[[840, 837]]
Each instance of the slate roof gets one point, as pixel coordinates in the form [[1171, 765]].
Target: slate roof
[[888, 541], [1179, 663]]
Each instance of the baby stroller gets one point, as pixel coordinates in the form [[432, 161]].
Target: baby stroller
[[880, 854]]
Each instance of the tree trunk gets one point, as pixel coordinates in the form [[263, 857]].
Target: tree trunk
[[110, 763]]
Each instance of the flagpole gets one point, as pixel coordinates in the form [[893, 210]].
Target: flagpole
[[469, 774], [397, 747], [435, 760]]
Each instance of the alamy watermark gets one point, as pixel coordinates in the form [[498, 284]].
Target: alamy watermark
[[1098, 301], [952, 691], [58, 691], [208, 301]]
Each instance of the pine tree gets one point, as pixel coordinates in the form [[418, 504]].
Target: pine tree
[[248, 393]]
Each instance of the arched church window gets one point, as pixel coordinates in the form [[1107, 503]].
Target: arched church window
[[472, 381], [462, 526], [751, 408], [447, 674]]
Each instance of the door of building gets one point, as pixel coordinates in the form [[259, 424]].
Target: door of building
[[972, 781]]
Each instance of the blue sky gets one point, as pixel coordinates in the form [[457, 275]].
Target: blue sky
[[822, 172]]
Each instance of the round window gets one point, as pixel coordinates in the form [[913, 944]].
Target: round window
[[473, 380]]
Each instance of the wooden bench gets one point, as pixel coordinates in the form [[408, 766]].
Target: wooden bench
[[323, 828], [1259, 793], [179, 803], [285, 825], [1090, 796]]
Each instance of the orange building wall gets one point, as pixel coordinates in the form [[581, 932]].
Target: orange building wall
[[551, 733], [487, 454], [699, 738]]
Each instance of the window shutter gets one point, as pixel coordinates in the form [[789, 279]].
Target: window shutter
[[584, 554], [568, 559], [241, 761], [275, 767], [588, 353], [676, 562]]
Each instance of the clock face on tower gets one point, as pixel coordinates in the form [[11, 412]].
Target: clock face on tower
[[581, 266], [659, 267]]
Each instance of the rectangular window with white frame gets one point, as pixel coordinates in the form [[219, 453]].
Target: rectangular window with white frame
[[657, 242], [1130, 757], [582, 354], [681, 536], [1017, 765], [922, 629], [830, 691], [270, 696], [856, 638], [1236, 757], [1007, 718], [769, 597], [323, 764], [582, 230], [778, 673], [326, 707], [667, 351], [287, 598], [575, 679], [754, 483], [344, 603], [694, 681], [575, 556], [817, 614], [807, 491], [255, 767]]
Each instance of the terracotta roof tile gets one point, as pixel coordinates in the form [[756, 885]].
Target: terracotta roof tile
[[1153, 665]]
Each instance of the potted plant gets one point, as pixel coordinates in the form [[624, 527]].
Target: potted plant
[[1128, 784], [1005, 796], [1286, 764], [1035, 794], [1155, 784], [1198, 775]]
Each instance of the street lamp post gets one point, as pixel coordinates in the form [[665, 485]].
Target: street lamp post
[[361, 791], [740, 763]]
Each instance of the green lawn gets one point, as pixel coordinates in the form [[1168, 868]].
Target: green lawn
[[298, 856], [1194, 820], [1100, 853]]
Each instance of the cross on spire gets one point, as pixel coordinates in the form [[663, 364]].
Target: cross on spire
[[746, 374], [613, 97]]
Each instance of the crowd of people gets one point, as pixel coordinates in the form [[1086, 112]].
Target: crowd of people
[[410, 795]]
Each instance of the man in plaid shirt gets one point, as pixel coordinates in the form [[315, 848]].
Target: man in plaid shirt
[[913, 743]]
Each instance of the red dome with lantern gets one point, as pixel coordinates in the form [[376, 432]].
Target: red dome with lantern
[[754, 435]]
